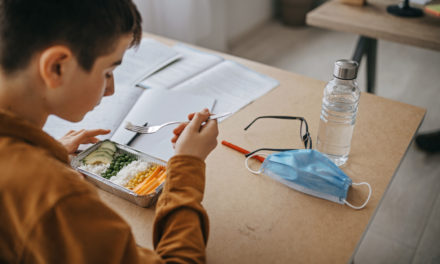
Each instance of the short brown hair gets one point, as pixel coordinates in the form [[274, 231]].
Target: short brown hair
[[88, 27]]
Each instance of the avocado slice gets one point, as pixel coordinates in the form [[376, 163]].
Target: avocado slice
[[98, 157], [104, 150], [108, 145]]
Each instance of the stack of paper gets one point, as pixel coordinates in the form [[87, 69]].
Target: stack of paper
[[140, 62], [231, 84]]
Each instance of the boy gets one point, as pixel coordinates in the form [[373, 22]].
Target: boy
[[57, 57]]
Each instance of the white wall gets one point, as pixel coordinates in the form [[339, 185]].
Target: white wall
[[244, 15], [217, 38], [209, 23]]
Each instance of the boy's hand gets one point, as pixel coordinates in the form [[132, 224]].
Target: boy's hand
[[194, 139], [73, 139]]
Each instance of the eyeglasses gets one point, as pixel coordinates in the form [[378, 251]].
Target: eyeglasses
[[303, 132]]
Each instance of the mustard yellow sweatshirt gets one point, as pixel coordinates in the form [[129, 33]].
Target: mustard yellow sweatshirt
[[49, 214]]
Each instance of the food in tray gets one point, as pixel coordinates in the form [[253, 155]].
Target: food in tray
[[130, 171], [124, 169], [97, 169], [154, 178], [117, 163], [102, 155]]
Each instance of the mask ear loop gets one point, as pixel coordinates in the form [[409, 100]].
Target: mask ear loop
[[247, 166], [368, 198]]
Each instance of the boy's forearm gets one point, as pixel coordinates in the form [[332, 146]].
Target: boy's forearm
[[181, 223]]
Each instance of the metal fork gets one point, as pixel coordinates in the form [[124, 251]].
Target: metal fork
[[154, 129]]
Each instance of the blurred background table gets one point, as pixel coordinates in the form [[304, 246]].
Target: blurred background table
[[372, 22]]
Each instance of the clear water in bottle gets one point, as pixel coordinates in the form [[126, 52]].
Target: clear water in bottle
[[338, 117]]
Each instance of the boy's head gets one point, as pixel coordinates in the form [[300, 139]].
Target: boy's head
[[89, 28], [68, 43]]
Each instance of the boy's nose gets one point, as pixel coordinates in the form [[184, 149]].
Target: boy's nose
[[110, 87]]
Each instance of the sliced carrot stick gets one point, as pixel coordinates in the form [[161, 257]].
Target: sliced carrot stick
[[150, 179], [153, 174], [143, 184], [147, 185], [153, 185], [159, 182]]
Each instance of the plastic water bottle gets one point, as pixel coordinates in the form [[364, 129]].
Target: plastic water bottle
[[338, 113]]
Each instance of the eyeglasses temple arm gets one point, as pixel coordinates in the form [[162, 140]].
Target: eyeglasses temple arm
[[268, 149], [278, 117]]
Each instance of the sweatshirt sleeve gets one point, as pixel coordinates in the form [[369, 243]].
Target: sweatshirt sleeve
[[181, 224]]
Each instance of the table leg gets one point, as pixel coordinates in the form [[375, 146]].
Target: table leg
[[367, 46], [371, 64], [360, 49]]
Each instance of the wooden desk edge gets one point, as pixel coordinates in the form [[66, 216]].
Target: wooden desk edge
[[351, 260], [318, 18]]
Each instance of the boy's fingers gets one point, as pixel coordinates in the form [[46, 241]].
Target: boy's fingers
[[211, 127], [197, 121], [95, 132], [77, 132], [191, 116], [90, 140], [178, 130], [91, 134]]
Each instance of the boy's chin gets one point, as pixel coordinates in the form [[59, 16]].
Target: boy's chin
[[73, 119]]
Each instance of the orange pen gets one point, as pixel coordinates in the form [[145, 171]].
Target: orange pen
[[242, 150]]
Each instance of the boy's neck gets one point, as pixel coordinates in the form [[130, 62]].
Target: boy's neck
[[18, 97]]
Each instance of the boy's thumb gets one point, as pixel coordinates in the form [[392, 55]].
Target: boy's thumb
[[197, 121]]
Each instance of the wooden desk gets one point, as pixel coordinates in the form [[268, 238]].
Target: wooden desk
[[254, 219], [373, 22]]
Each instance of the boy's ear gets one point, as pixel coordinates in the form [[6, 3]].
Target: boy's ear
[[54, 63]]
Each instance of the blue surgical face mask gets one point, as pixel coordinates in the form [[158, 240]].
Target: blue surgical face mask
[[310, 172]]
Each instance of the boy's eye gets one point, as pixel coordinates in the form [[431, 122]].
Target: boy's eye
[[108, 75]]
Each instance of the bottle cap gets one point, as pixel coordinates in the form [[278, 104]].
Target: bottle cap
[[345, 69]]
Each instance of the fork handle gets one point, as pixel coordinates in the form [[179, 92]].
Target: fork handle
[[171, 123], [212, 117]]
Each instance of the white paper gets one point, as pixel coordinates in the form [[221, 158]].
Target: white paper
[[107, 115], [419, 2], [140, 62], [191, 63], [156, 107], [231, 84]]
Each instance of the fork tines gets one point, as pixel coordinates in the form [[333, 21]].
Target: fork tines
[[132, 127]]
